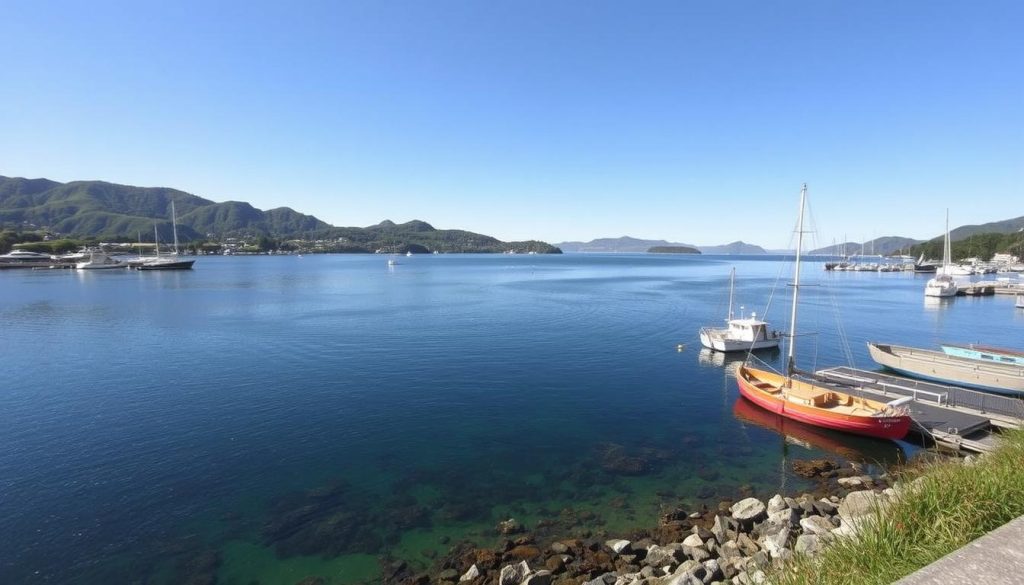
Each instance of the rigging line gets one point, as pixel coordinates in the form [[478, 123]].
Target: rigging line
[[844, 339]]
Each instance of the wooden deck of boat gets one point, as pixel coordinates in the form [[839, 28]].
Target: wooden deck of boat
[[952, 415]]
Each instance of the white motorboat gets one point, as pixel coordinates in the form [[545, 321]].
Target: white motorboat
[[25, 259], [743, 334], [100, 261], [943, 285]]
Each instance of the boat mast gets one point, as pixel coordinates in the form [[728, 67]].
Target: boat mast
[[732, 285], [156, 241], [946, 251], [791, 360], [174, 224]]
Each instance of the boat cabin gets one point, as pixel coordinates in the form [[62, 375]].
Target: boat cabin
[[750, 330]]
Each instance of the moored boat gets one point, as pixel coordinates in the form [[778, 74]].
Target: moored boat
[[851, 448], [982, 367], [25, 259], [168, 262], [100, 261], [811, 402], [943, 285], [743, 334]]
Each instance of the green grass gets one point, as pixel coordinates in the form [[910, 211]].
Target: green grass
[[950, 505]]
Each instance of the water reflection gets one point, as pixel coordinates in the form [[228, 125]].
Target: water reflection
[[845, 445], [730, 361], [937, 303]]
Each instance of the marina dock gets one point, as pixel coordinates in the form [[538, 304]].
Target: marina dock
[[952, 416], [992, 287]]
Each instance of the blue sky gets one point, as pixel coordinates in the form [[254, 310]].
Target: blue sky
[[688, 121]]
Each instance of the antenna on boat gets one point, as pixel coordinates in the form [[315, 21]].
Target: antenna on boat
[[790, 359], [732, 285]]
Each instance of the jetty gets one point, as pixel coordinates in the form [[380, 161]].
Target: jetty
[[992, 287], [952, 416]]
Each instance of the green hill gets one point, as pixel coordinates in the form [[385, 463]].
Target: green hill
[[97, 209], [108, 210]]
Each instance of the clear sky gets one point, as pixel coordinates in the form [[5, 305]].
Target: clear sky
[[682, 120]]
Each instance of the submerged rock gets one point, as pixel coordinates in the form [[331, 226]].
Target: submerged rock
[[510, 526], [815, 468], [618, 460]]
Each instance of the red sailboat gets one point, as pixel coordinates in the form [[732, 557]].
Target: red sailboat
[[812, 403]]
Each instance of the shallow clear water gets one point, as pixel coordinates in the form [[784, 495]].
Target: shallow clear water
[[271, 418]]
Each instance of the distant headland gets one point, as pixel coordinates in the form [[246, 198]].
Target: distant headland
[[45, 210]]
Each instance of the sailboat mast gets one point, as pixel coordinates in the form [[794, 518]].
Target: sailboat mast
[[174, 225], [156, 241], [732, 285], [947, 251], [791, 360]]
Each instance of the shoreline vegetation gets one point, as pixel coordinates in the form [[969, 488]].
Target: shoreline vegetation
[[943, 507], [868, 530]]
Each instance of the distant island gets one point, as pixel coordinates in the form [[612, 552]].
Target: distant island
[[626, 244], [673, 250], [69, 214]]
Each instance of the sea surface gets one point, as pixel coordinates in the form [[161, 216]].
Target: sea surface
[[266, 419]]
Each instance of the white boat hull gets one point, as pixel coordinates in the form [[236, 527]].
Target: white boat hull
[[712, 339], [941, 287]]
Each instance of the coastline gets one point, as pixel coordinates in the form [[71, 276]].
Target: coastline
[[867, 531], [740, 540]]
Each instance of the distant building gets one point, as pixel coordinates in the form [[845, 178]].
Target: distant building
[[1005, 259]]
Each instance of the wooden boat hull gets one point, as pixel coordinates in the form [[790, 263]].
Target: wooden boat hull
[[852, 448], [939, 367], [754, 384]]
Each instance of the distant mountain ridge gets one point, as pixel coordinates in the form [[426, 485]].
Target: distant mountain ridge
[[626, 244], [883, 246], [109, 210], [95, 208]]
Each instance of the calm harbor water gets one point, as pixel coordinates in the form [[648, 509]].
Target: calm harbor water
[[265, 419]]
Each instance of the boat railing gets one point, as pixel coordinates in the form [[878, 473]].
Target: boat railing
[[989, 403], [940, 398], [949, 396]]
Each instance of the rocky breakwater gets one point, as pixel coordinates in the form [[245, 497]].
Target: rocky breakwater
[[739, 543]]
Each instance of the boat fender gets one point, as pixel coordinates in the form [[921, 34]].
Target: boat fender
[[900, 401]]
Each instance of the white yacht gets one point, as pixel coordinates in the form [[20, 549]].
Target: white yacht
[[24, 259], [100, 261], [943, 285], [743, 334]]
